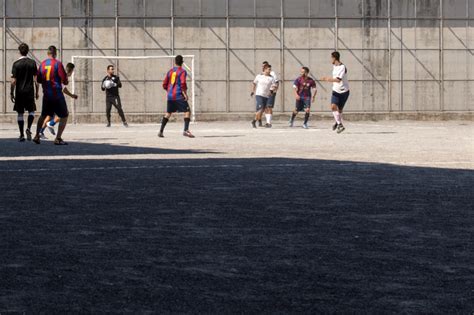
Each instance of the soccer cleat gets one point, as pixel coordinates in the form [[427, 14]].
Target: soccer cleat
[[260, 123], [125, 124], [51, 129], [340, 128], [188, 134], [254, 125], [305, 126], [28, 134], [290, 123], [59, 141], [268, 125], [21, 139], [108, 125], [334, 127], [36, 139], [160, 135], [42, 136]]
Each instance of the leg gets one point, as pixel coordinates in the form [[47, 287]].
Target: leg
[[21, 125], [306, 116], [118, 105], [31, 117], [108, 109], [38, 128], [61, 127]]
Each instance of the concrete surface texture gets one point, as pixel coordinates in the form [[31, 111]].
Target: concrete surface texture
[[374, 220], [403, 56]]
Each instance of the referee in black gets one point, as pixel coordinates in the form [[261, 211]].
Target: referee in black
[[24, 90], [111, 84]]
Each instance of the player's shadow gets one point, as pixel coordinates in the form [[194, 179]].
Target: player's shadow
[[12, 148]]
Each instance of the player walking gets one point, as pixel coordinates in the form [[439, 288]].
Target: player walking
[[303, 86], [261, 88], [52, 77], [176, 88], [24, 89], [271, 98], [111, 84], [340, 90]]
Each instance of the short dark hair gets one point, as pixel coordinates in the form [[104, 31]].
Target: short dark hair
[[70, 66], [52, 50], [336, 55], [110, 66], [267, 66], [24, 49], [178, 60], [306, 69], [265, 63]]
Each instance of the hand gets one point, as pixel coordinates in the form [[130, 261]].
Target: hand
[[312, 99], [298, 97], [74, 96], [12, 97], [185, 97], [114, 84], [252, 94]]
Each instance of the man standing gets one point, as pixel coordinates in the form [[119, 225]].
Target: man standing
[[24, 89], [111, 84], [303, 86], [271, 98], [52, 77], [261, 88], [340, 90], [176, 88]]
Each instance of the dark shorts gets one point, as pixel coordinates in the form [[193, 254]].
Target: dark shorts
[[52, 107], [339, 99], [24, 103], [262, 102], [180, 106], [303, 104], [271, 100]]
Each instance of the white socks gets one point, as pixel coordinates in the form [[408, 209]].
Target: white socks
[[268, 117], [337, 117]]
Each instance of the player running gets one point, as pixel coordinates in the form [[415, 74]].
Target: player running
[[176, 88], [24, 90], [303, 86], [50, 122], [272, 98], [261, 88], [340, 90], [111, 84], [52, 77]]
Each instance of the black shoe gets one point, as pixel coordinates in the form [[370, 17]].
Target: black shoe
[[188, 134], [125, 124], [59, 141], [254, 125], [28, 134], [160, 135], [334, 127], [268, 125], [108, 125], [260, 123], [340, 128], [21, 139], [36, 139]]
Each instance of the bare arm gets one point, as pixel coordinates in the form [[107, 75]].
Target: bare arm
[[36, 87], [66, 91], [12, 89], [254, 88]]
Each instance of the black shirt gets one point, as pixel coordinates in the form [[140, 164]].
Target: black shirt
[[24, 70], [113, 91]]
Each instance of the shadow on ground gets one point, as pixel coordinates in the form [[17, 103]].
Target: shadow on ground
[[235, 235]]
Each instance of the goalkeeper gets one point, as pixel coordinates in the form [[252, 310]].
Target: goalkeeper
[[111, 84]]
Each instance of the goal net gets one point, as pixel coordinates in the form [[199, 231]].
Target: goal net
[[141, 78]]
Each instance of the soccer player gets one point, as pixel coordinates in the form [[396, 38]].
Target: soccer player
[[261, 88], [340, 90], [51, 121], [52, 77], [303, 86], [24, 90], [271, 99], [111, 84], [176, 88]]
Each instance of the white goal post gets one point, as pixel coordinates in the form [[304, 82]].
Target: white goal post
[[171, 58]]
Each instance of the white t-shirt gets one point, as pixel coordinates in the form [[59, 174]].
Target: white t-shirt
[[275, 81], [264, 84], [340, 72]]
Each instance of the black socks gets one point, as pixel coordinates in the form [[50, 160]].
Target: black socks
[[306, 117], [186, 124], [30, 121], [164, 121]]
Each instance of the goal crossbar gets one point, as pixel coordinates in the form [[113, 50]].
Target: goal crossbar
[[193, 81]]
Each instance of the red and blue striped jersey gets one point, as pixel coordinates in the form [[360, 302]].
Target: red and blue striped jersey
[[52, 76], [304, 86], [175, 83]]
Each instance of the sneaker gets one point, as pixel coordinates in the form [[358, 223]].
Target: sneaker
[[290, 123], [36, 139], [28, 134], [260, 123], [254, 125], [59, 141], [42, 136], [268, 125], [51, 129], [334, 127], [21, 139], [125, 124], [108, 125], [160, 135], [188, 134], [340, 128], [305, 126]]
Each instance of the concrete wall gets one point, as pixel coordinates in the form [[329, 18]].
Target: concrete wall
[[402, 55]]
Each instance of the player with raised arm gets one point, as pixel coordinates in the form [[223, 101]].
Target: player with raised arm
[[340, 90], [24, 90], [111, 84], [52, 77], [177, 95], [303, 86]]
